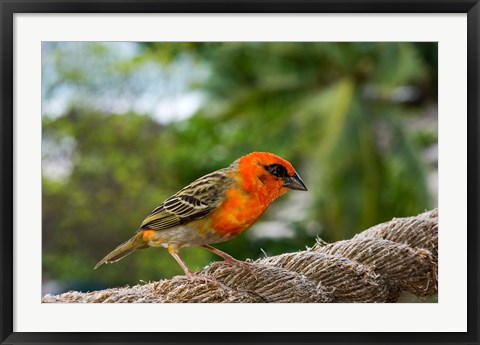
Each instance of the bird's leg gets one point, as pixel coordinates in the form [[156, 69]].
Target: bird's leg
[[228, 258], [173, 252], [181, 263]]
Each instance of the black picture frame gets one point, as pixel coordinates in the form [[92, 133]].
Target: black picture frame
[[10, 7]]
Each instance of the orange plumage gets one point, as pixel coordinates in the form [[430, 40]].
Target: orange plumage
[[214, 208]]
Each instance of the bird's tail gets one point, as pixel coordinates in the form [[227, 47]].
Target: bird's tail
[[136, 242]]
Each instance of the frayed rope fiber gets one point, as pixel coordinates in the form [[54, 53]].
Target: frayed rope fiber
[[376, 265]]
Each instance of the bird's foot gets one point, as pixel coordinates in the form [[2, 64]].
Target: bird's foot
[[230, 260], [247, 266]]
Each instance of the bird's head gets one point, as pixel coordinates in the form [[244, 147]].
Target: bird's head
[[269, 174]]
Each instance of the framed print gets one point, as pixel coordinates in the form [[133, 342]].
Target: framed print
[[261, 172]]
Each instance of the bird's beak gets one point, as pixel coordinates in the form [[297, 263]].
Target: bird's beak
[[294, 182]]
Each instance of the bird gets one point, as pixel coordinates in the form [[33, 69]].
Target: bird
[[214, 208]]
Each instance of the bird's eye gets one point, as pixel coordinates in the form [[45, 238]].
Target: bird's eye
[[277, 170]]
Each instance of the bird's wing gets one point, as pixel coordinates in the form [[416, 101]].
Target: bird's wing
[[195, 201]]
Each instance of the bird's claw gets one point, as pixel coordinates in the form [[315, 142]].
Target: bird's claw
[[244, 265]]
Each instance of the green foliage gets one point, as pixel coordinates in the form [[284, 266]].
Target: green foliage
[[337, 111]]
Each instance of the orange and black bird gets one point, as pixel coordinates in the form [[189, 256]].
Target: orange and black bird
[[214, 208]]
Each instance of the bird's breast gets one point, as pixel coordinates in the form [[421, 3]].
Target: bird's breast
[[238, 212]]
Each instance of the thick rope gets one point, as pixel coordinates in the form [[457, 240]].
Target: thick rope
[[374, 266]]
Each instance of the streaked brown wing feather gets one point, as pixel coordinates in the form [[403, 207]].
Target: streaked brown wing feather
[[195, 201]]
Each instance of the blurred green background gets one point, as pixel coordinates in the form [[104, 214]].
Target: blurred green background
[[126, 124]]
